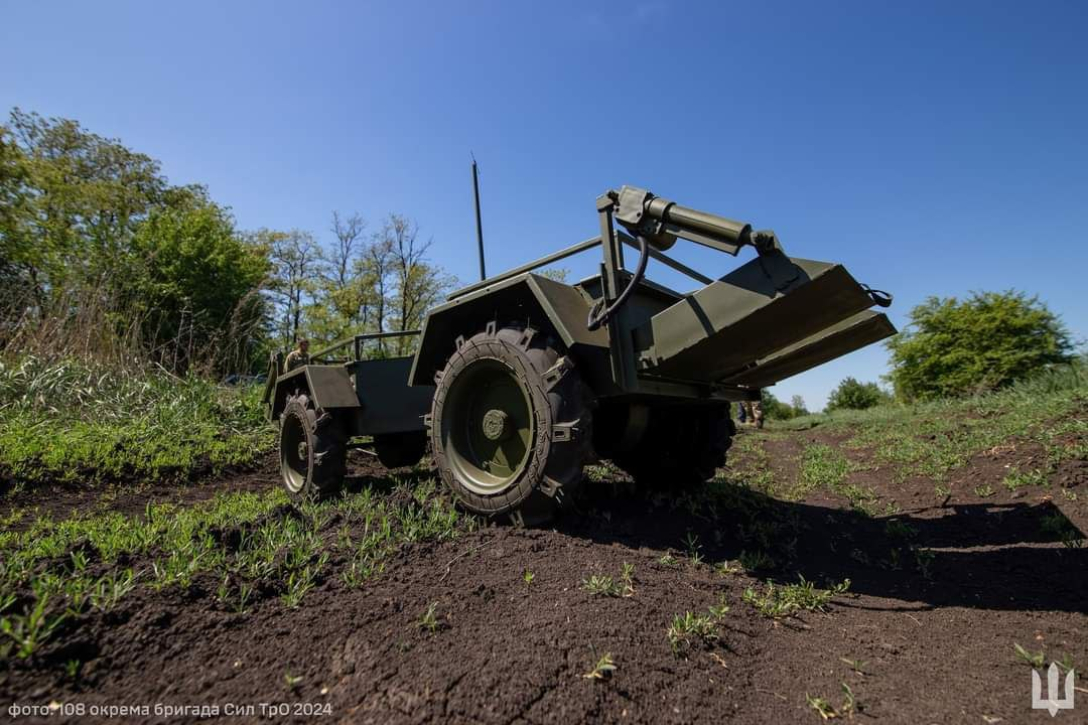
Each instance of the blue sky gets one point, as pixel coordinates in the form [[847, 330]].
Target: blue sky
[[935, 148]]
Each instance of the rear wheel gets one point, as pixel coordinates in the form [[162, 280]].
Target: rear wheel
[[682, 446], [510, 424], [396, 450], [313, 450]]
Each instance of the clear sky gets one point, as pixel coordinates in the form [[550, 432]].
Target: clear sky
[[935, 148]]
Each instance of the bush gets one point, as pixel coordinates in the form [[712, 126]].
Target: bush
[[852, 395], [988, 341]]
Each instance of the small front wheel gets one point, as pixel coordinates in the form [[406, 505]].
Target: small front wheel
[[313, 454]]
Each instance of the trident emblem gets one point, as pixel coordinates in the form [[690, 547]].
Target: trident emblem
[[1052, 703]]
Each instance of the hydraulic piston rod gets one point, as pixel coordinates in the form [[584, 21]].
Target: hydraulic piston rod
[[660, 221]]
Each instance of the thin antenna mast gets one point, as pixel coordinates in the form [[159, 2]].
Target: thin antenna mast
[[479, 222]]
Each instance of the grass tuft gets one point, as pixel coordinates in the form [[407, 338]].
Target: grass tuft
[[778, 601], [606, 586], [688, 629], [603, 668], [428, 621]]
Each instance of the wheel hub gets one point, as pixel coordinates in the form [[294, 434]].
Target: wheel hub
[[488, 426], [496, 425], [294, 453]]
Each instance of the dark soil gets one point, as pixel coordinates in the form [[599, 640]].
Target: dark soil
[[58, 501], [930, 645], [131, 497]]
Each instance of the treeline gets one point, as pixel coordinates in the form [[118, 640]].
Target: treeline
[[101, 257], [955, 348]]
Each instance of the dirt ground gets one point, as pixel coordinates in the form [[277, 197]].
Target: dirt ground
[[929, 640]]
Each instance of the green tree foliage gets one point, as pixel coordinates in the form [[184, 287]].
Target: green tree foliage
[[82, 198], [987, 341], [775, 409], [417, 284], [853, 395], [798, 405], [101, 253], [384, 283], [297, 262], [15, 240], [101, 257], [196, 287]]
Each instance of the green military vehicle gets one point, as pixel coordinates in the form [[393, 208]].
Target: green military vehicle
[[519, 381]]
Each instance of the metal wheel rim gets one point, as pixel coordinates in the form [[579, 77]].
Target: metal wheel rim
[[294, 468], [482, 463]]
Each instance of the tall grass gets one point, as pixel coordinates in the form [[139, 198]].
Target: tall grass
[[65, 420]]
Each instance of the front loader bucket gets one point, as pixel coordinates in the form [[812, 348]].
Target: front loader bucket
[[851, 334], [771, 314]]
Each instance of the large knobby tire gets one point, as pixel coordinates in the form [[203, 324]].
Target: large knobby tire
[[396, 450], [511, 427], [683, 446], [313, 450]]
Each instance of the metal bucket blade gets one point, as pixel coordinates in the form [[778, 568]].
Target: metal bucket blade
[[838, 340], [761, 307]]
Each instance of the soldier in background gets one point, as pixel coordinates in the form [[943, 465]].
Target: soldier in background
[[298, 357], [753, 411]]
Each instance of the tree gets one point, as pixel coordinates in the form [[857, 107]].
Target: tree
[[558, 274], [775, 409], [798, 405], [375, 266], [419, 285], [348, 231], [345, 293], [86, 197], [338, 303], [17, 247], [991, 339], [852, 395], [101, 256], [196, 289], [296, 262]]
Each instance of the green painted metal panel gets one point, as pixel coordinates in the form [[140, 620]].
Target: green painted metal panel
[[851, 334], [527, 299], [330, 387], [568, 311], [389, 404], [769, 303]]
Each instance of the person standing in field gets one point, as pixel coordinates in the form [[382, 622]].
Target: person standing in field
[[753, 412], [298, 357]]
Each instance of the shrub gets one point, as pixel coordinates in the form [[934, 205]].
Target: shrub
[[988, 341], [853, 395]]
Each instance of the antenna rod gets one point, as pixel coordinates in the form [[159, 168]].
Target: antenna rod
[[479, 223]]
